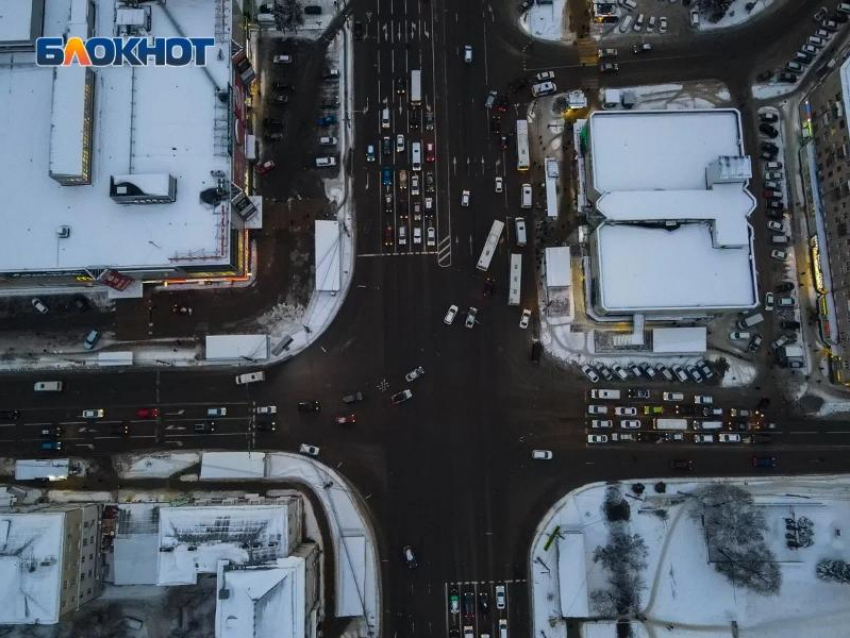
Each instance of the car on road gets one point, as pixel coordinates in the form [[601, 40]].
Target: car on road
[[386, 145], [597, 438], [389, 236], [662, 24], [768, 301], [39, 306], [399, 143], [429, 204], [464, 198], [467, 54], [650, 410], [781, 255], [543, 76], [95, 413], [641, 47], [265, 167], [430, 155], [454, 601], [630, 424], [543, 88], [310, 450], [468, 604], [309, 406], [265, 409], [500, 597], [609, 67], [52, 432], [450, 315], [282, 59], [764, 462], [386, 176], [739, 336], [204, 426], [490, 100], [10, 414], [541, 455], [608, 53], [471, 317], [355, 397], [414, 374], [51, 446], [417, 232], [147, 413], [401, 397], [346, 419], [597, 409], [590, 373], [525, 318], [625, 411], [499, 185], [638, 394], [327, 120], [729, 437], [597, 424], [370, 153], [703, 399], [432, 236], [682, 465]]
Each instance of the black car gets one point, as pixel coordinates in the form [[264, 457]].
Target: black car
[[764, 76], [429, 120], [686, 410], [785, 286], [788, 78], [415, 116], [767, 129], [81, 304], [331, 104], [684, 465], [495, 126], [638, 394], [282, 86], [273, 136], [840, 18], [489, 286], [468, 603], [536, 351], [775, 206], [787, 324], [769, 147], [502, 104], [272, 122], [401, 86], [206, 426], [309, 406], [358, 30], [9, 414], [386, 145], [483, 602], [770, 118]]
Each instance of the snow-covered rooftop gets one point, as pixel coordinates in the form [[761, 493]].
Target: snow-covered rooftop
[[558, 268], [573, 575], [237, 347], [32, 469], [671, 269], [328, 272], [16, 19], [193, 539], [262, 601], [147, 120], [680, 340], [31, 546]]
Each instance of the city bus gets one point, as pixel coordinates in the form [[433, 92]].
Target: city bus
[[516, 279], [522, 156], [490, 245]]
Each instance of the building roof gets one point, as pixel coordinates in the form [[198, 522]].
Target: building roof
[[664, 269], [232, 465], [146, 120], [328, 273], [31, 546], [680, 340], [255, 602], [237, 347], [572, 575], [34, 469], [558, 267], [351, 576], [193, 539]]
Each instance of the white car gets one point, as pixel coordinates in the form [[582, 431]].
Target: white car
[[470, 317], [625, 411], [429, 203], [399, 143], [768, 301], [432, 236], [703, 399], [597, 409], [597, 438], [590, 373], [417, 236], [601, 423], [414, 374], [703, 438], [39, 306], [630, 424], [93, 414], [450, 315], [662, 24], [739, 336], [499, 186], [500, 596], [266, 409], [310, 450], [467, 54], [526, 317], [726, 437], [545, 75], [464, 198], [781, 255], [541, 455], [777, 226], [282, 59]]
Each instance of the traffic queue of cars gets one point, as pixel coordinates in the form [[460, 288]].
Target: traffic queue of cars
[[482, 607]]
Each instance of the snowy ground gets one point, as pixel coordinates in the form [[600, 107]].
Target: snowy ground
[[688, 95], [134, 466], [547, 22], [736, 15], [682, 591]]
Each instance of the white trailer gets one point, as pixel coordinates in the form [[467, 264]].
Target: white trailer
[[490, 245], [415, 87], [516, 279]]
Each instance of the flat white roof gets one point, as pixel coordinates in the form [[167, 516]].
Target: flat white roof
[[660, 150], [193, 539], [51, 469], [558, 267], [351, 565], [15, 20], [659, 269], [680, 340], [572, 575], [262, 601], [235, 347], [146, 120], [31, 567], [328, 276], [232, 465]]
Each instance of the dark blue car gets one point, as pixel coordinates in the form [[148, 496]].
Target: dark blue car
[[387, 176], [327, 120]]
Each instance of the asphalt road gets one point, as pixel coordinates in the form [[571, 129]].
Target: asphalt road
[[448, 472]]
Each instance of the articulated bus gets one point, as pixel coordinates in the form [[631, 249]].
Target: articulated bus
[[522, 156], [490, 245]]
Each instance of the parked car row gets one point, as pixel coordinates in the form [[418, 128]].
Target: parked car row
[[696, 372], [827, 26]]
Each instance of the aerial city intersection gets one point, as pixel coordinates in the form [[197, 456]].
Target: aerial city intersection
[[419, 318]]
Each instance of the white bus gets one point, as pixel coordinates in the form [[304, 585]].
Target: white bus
[[490, 245], [415, 87], [522, 156], [516, 279]]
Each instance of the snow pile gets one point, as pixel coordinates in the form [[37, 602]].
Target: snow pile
[[736, 15], [547, 21], [140, 466]]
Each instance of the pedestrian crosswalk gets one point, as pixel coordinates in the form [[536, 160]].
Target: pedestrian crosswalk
[[588, 51]]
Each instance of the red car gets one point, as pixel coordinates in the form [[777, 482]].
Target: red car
[[265, 167], [429, 152], [147, 413], [345, 420], [389, 237]]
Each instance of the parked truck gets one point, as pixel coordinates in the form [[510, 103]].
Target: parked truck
[[671, 424], [415, 87]]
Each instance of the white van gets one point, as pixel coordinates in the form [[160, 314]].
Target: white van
[[779, 239], [48, 386], [385, 118], [520, 232], [750, 321], [544, 88], [525, 201], [250, 377], [416, 156], [503, 628]]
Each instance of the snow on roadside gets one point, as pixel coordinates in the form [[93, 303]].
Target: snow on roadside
[[773, 90], [736, 15], [163, 465], [740, 373], [547, 22]]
